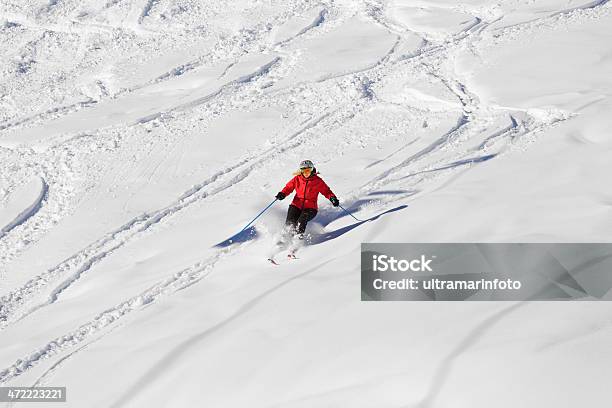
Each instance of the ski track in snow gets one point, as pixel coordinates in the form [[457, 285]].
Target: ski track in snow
[[12, 249], [552, 17], [146, 10], [178, 281], [47, 287], [445, 367], [318, 20], [162, 364], [31, 207], [84, 260], [53, 112]]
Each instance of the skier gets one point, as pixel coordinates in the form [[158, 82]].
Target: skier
[[307, 185]]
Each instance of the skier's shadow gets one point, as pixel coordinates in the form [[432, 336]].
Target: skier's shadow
[[328, 215], [316, 239], [248, 234], [323, 219]]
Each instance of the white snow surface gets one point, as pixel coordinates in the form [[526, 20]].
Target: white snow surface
[[137, 135]]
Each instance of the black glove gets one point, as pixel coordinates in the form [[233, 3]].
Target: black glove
[[280, 196], [335, 202]]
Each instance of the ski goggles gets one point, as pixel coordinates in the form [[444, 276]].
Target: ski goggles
[[306, 168]]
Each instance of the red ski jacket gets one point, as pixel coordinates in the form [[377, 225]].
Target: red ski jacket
[[307, 190]]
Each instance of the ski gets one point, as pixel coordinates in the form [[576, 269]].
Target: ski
[[273, 262], [286, 242], [290, 256]]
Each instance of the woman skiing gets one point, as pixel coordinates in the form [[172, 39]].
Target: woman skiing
[[307, 185]]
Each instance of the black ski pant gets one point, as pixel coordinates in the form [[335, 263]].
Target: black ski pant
[[298, 218]]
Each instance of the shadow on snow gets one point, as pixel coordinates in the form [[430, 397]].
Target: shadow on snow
[[320, 238], [248, 234], [452, 165], [324, 218]]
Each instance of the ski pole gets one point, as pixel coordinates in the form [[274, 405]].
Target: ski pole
[[258, 215], [357, 219]]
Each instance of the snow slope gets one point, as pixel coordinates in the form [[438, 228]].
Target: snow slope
[[160, 128]]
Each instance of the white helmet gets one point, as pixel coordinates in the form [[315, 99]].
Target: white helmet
[[306, 164]]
